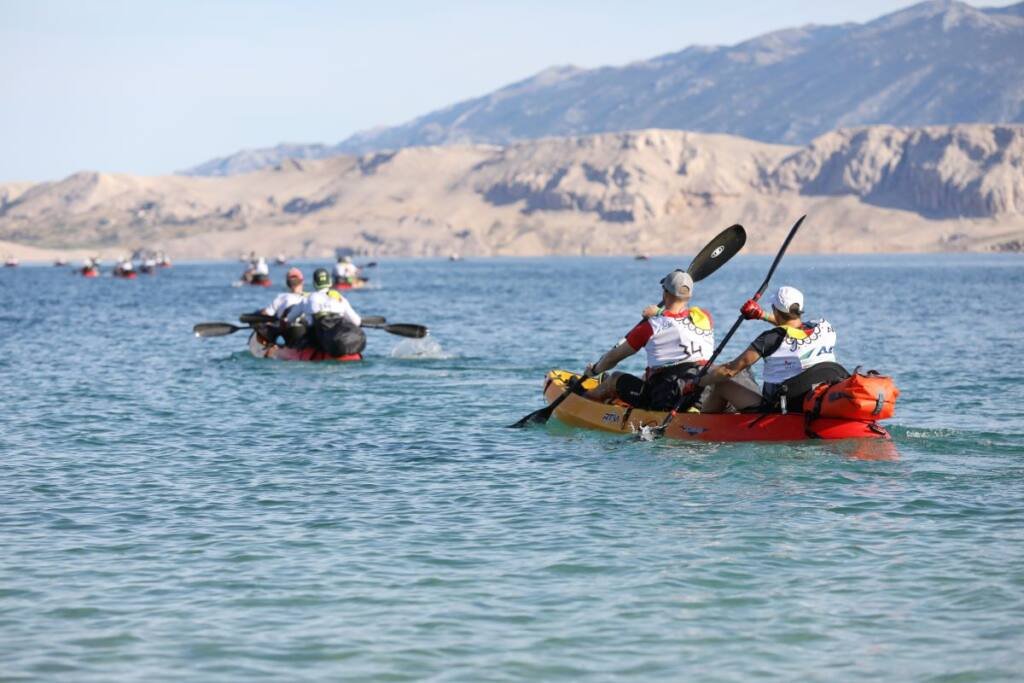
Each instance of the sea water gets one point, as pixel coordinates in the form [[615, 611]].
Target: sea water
[[172, 508]]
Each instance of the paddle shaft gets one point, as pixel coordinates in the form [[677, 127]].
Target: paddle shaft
[[690, 399]]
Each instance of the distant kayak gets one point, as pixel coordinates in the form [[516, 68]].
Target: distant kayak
[[257, 281], [356, 284], [261, 348], [90, 272], [125, 274], [619, 418]]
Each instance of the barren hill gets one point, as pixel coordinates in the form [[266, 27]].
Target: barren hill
[[879, 188]]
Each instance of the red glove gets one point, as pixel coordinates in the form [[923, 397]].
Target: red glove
[[690, 387], [751, 311]]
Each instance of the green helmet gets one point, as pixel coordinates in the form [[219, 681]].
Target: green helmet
[[321, 278]]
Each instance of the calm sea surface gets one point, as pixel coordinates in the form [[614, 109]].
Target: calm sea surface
[[174, 509]]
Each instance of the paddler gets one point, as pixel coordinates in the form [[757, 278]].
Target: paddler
[[335, 323], [678, 338], [288, 306], [345, 272], [797, 355]]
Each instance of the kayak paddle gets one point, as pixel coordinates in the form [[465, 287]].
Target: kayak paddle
[[688, 400], [713, 256], [216, 329], [401, 329], [261, 319]]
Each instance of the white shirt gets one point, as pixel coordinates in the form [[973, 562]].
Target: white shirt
[[261, 268], [323, 301], [283, 301], [345, 270]]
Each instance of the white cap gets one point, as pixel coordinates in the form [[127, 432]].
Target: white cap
[[786, 297]]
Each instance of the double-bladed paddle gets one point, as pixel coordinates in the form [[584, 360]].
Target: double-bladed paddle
[[713, 256], [688, 400], [373, 322]]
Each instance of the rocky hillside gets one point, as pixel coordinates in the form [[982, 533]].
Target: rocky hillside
[[878, 188], [938, 62]]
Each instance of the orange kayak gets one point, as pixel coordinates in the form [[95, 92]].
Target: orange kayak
[[620, 418]]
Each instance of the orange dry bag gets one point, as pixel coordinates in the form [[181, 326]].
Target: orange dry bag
[[869, 396]]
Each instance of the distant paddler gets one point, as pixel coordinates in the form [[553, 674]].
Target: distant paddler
[[346, 272]]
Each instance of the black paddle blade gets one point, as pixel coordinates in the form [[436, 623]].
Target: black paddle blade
[[215, 329], [257, 319], [406, 330], [719, 250], [536, 417]]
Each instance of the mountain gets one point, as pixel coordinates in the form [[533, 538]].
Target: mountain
[[938, 62], [877, 188]]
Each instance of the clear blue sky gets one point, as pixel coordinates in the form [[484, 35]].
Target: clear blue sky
[[151, 87]]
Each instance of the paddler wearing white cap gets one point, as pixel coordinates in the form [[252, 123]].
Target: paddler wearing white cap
[[790, 350], [678, 339]]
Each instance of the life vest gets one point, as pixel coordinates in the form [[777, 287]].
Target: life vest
[[688, 338], [803, 347], [869, 396]]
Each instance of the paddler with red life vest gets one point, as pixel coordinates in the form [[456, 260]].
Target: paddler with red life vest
[[678, 340], [797, 355]]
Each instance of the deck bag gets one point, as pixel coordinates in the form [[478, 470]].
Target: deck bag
[[863, 396], [336, 336]]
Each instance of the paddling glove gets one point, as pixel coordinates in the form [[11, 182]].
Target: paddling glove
[[752, 311]]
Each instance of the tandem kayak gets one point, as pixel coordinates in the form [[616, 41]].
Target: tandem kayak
[[125, 274], [261, 348], [90, 272], [619, 418]]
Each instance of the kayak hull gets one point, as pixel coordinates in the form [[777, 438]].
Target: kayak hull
[[345, 286], [578, 411], [90, 272], [130, 275], [261, 348]]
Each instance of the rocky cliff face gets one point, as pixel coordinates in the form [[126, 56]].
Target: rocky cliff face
[[937, 62], [872, 189]]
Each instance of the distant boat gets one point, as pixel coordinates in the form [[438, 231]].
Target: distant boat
[[454, 257], [642, 257], [60, 262], [280, 260], [11, 262]]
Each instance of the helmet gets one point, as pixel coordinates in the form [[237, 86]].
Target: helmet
[[321, 279]]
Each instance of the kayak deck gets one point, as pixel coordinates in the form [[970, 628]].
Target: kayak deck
[[619, 418], [261, 348]]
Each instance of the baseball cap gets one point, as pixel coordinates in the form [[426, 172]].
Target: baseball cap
[[786, 298], [294, 274], [674, 282], [321, 279]]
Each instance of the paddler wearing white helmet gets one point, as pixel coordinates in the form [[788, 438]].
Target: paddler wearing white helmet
[[678, 338], [345, 272], [797, 355]]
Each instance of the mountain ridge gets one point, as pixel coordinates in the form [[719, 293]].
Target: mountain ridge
[[876, 188], [933, 63]]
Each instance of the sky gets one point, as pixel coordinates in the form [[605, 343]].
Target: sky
[[148, 87]]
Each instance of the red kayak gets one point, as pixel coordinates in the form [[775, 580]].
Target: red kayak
[[261, 348], [90, 272], [342, 286], [620, 418], [126, 274]]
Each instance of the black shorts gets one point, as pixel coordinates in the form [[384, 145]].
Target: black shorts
[[661, 391]]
